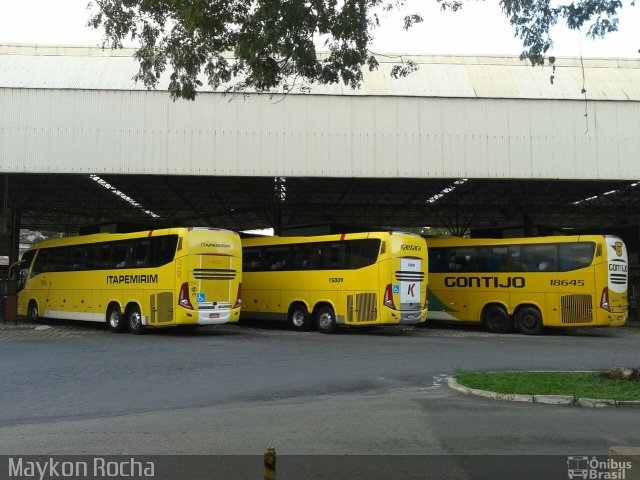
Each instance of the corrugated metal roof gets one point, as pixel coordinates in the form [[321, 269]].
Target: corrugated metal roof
[[91, 68]]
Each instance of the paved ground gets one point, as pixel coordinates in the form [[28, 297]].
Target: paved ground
[[75, 388]]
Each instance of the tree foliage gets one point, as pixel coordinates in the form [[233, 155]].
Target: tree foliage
[[275, 44]]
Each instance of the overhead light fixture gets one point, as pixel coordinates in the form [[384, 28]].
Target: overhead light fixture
[[123, 196], [446, 190]]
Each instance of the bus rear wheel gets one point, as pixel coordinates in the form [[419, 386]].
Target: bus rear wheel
[[33, 311], [134, 320], [326, 320], [299, 317], [114, 319], [497, 320], [529, 321]]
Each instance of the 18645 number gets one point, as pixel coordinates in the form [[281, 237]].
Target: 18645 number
[[567, 283]]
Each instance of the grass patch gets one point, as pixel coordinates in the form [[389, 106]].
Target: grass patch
[[580, 385]]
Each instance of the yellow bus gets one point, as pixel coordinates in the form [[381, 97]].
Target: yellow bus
[[155, 278], [358, 279], [529, 283]]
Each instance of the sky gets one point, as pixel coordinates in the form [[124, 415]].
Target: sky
[[479, 28]]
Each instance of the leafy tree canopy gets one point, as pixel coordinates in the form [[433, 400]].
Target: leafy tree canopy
[[272, 44]]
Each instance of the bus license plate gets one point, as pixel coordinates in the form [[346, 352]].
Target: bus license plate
[[214, 315]]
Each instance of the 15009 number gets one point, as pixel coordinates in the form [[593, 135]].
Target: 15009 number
[[336, 279], [567, 283]]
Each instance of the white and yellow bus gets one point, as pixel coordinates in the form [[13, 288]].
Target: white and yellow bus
[[529, 283], [155, 278], [359, 279]]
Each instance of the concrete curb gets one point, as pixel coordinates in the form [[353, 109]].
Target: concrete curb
[[544, 399], [555, 399]]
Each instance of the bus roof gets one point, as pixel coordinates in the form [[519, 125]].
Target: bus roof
[[275, 240], [458, 241], [108, 237]]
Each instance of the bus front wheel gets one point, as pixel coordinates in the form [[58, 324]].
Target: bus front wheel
[[134, 320], [326, 320], [497, 320], [529, 321], [299, 317], [114, 319], [33, 311]]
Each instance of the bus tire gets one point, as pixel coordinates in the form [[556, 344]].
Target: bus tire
[[115, 322], [529, 321], [134, 320], [326, 320], [497, 320], [32, 311], [299, 317]]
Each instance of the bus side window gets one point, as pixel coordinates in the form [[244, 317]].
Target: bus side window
[[334, 255], [164, 249], [78, 258], [251, 260], [546, 257], [436, 260], [118, 256], [494, 259], [528, 258], [576, 255], [361, 253], [301, 256], [100, 256], [277, 257], [514, 261], [141, 253]]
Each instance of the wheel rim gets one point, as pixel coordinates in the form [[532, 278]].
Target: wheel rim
[[494, 321], [135, 320], [528, 321], [325, 321], [114, 319], [34, 313], [298, 318]]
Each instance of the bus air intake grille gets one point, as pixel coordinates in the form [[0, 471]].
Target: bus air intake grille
[[406, 276], [349, 308], [214, 274], [576, 309], [366, 307]]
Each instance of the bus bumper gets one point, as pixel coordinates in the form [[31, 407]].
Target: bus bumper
[[412, 318], [218, 318], [403, 317], [208, 317]]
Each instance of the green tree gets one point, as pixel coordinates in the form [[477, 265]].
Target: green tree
[[272, 44]]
